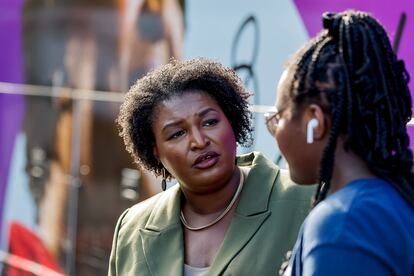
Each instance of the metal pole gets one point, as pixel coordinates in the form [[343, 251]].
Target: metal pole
[[73, 190]]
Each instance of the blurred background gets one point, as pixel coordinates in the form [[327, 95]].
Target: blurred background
[[65, 65]]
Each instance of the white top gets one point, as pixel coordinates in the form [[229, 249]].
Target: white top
[[195, 271]]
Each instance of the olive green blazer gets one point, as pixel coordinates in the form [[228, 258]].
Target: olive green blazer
[[148, 238]]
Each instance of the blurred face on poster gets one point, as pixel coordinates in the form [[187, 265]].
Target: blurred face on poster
[[152, 31]]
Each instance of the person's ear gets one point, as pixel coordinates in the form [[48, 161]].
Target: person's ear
[[155, 152], [315, 120]]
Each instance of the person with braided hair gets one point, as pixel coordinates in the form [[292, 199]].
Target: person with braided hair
[[343, 107]]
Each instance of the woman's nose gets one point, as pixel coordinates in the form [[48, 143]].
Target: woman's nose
[[198, 140]]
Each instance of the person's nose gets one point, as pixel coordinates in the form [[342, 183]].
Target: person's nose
[[198, 139]]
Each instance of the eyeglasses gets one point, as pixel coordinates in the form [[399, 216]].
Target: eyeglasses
[[272, 120]]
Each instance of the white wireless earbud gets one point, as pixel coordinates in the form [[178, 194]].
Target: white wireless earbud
[[312, 124]]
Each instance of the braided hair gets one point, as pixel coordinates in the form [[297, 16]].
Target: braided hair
[[351, 71]]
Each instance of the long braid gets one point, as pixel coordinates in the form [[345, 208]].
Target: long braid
[[328, 157], [350, 67]]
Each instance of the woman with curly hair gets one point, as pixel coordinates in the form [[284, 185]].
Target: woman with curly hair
[[343, 105], [183, 121]]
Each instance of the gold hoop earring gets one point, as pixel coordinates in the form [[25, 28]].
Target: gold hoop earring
[[164, 179]]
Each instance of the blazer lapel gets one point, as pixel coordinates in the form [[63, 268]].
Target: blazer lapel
[[242, 229], [251, 212], [162, 238]]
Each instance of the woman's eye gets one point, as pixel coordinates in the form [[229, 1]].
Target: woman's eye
[[210, 122], [176, 134]]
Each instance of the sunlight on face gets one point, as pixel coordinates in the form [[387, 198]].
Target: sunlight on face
[[195, 140]]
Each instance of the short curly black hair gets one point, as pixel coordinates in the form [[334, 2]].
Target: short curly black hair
[[175, 78]]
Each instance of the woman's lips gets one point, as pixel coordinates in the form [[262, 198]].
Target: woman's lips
[[206, 160]]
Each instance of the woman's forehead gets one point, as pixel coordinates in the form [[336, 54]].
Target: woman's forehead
[[283, 88], [186, 104]]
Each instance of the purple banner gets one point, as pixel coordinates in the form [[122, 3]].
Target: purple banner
[[11, 106]]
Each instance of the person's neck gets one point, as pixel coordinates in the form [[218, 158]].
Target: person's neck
[[347, 168], [214, 201]]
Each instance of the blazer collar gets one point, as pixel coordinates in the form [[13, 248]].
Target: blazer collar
[[166, 212], [251, 212], [162, 237], [258, 185]]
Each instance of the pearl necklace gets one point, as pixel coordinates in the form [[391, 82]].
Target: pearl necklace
[[233, 200]]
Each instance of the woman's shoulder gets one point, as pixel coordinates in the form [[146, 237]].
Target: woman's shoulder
[[363, 200], [137, 216], [365, 214]]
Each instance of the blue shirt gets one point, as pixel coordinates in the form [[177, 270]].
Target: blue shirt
[[365, 228]]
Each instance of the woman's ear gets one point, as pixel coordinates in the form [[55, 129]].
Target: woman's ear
[[315, 123], [155, 152]]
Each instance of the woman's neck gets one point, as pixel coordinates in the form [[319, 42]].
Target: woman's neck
[[347, 168], [211, 202]]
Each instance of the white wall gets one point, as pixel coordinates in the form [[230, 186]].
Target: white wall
[[211, 27]]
